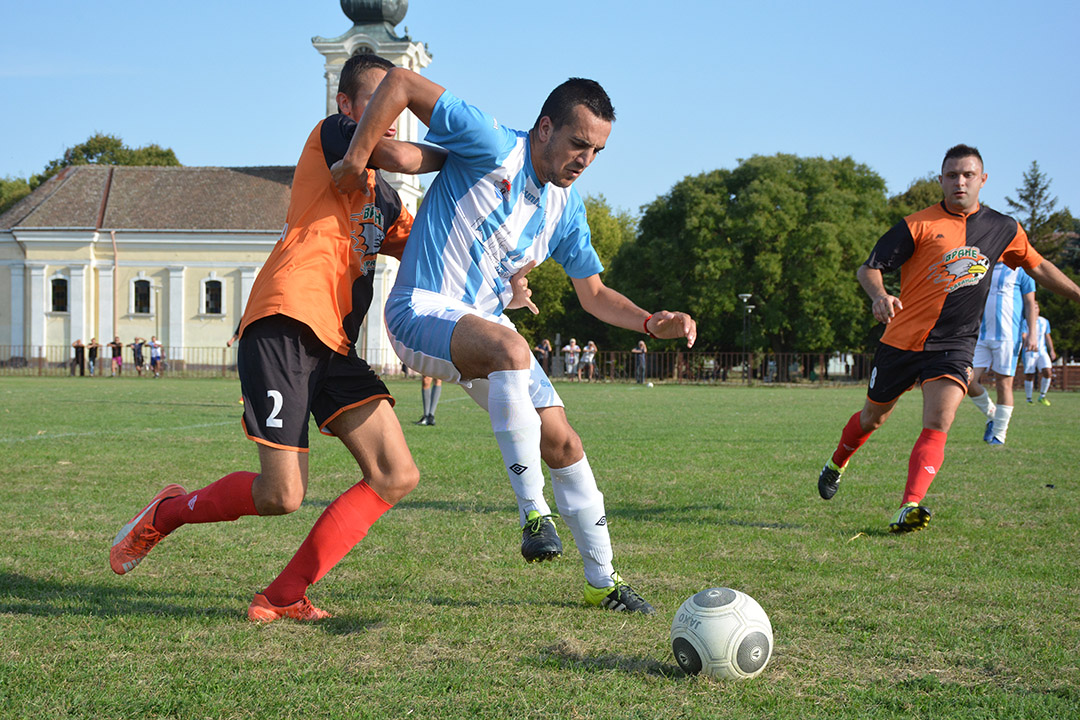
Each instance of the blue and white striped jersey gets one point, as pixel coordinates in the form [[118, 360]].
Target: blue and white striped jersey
[[1042, 329], [1004, 305], [486, 215]]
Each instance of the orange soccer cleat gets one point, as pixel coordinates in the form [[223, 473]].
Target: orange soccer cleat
[[139, 537], [262, 610]]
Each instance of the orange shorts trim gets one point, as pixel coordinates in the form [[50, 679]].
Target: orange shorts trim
[[267, 443], [365, 401], [946, 376]]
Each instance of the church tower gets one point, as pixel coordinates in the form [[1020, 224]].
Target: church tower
[[373, 32]]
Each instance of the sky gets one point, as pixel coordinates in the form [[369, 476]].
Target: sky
[[697, 85]]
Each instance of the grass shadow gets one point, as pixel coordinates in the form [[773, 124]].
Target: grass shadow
[[566, 656]]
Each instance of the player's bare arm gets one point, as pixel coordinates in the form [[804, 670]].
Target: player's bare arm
[[1047, 275], [1031, 313], [400, 89], [884, 305], [1050, 347], [407, 157], [616, 309]]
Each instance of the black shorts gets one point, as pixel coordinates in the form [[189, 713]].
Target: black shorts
[[287, 373], [897, 371]]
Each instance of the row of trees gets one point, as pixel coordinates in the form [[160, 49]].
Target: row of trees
[[789, 230]]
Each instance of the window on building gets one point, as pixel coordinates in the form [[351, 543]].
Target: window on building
[[212, 297], [59, 295], [141, 290]]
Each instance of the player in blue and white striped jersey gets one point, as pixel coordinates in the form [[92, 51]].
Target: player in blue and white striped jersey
[[1011, 299], [1040, 360], [501, 204]]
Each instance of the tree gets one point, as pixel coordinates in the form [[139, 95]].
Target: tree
[[1047, 228], [553, 292], [922, 193], [100, 149], [12, 190], [789, 230]]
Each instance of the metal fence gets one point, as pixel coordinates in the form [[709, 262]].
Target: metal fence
[[680, 367]]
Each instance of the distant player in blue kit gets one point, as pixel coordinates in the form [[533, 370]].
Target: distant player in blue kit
[[1040, 360], [1011, 300], [503, 203]]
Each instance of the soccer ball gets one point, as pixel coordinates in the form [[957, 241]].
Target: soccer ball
[[723, 633], [649, 385]]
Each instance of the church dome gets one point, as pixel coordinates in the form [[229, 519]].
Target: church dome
[[373, 12]]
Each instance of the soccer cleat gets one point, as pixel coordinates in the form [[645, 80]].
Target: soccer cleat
[[1044, 401], [994, 442], [988, 434], [262, 610], [539, 539], [829, 480], [431, 420], [1030, 401], [620, 598], [909, 518], [138, 537], [422, 421]]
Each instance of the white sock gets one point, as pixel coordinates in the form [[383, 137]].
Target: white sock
[[1029, 385], [517, 430], [1044, 386], [985, 404], [1001, 421], [581, 505]]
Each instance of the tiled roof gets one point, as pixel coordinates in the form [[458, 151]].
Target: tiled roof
[[157, 198]]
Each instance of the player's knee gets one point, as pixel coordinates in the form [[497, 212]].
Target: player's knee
[[280, 502], [393, 485], [561, 448]]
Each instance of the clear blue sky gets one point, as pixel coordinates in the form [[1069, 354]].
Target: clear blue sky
[[697, 85]]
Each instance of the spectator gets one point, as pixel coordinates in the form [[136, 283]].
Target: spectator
[[430, 390], [117, 349], [155, 356], [571, 353], [79, 361], [91, 354], [137, 354], [542, 351], [588, 362], [639, 361]]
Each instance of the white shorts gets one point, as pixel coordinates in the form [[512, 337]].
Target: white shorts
[[420, 324], [998, 355], [1035, 361]]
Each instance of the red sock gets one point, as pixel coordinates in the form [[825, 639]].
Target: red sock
[[337, 530], [226, 499], [851, 440], [926, 459]]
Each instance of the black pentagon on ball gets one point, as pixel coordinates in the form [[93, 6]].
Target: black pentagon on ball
[[753, 652], [715, 597], [686, 656]]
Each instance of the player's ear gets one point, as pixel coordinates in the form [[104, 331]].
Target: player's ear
[[344, 104], [544, 128]]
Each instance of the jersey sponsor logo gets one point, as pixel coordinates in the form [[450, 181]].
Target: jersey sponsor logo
[[367, 235], [530, 197], [960, 268]]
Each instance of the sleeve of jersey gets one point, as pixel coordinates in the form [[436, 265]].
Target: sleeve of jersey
[[893, 248], [571, 244], [336, 134], [466, 131], [1020, 252], [1025, 283], [396, 235]]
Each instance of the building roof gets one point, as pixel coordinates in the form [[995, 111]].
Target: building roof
[[156, 198]]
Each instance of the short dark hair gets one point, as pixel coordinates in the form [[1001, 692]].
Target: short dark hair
[[576, 91], [957, 152], [356, 66]]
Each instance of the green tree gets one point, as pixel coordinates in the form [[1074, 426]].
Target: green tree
[[1064, 317], [553, 292], [12, 190], [789, 230], [922, 193], [101, 149], [1047, 228]]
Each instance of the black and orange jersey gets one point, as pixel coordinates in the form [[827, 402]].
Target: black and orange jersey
[[322, 268], [943, 258]]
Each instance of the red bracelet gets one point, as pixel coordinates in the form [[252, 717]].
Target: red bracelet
[[646, 326]]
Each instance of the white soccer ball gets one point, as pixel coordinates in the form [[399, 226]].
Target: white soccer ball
[[649, 385], [723, 633]]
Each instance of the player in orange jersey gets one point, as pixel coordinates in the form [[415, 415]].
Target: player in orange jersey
[[298, 357], [945, 255]]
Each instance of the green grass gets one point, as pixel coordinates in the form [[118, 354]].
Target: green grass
[[437, 616]]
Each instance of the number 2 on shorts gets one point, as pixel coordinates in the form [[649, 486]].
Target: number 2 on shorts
[[273, 421]]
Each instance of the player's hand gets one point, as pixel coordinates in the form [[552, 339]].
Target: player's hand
[[1032, 344], [520, 286], [669, 325], [886, 307], [348, 175]]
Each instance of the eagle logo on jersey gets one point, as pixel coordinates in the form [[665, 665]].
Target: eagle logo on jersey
[[960, 268], [367, 236]]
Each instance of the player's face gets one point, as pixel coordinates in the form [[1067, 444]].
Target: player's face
[[562, 154], [365, 88], [961, 179]]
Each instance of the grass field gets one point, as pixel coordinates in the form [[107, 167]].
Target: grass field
[[438, 617]]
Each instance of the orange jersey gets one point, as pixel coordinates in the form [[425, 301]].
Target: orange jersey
[[322, 268], [944, 258]]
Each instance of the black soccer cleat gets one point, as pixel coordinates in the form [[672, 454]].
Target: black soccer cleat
[[539, 539], [828, 481], [621, 598]]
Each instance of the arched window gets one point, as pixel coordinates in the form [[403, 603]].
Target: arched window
[[59, 287]]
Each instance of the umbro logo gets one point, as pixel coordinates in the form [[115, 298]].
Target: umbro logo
[[930, 469], [191, 502], [602, 521], [517, 469]]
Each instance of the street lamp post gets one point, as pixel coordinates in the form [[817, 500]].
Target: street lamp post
[[745, 333]]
